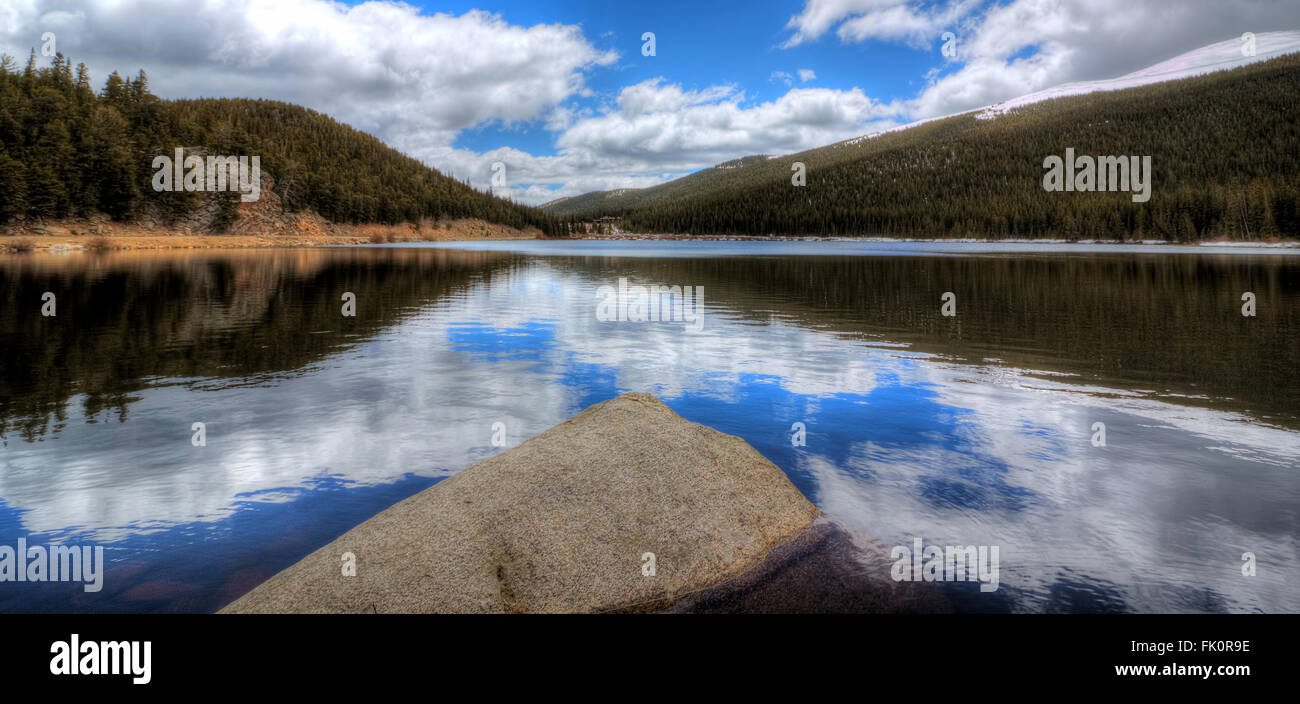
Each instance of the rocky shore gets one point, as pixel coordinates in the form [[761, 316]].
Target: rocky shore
[[624, 507]]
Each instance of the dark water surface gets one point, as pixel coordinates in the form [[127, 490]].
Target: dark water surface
[[971, 430]]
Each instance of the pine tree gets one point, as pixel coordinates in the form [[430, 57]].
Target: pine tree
[[13, 188], [83, 77]]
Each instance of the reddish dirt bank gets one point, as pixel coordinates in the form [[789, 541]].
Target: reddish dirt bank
[[309, 232]]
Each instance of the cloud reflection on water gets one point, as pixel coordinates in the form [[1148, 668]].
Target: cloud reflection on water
[[900, 444]]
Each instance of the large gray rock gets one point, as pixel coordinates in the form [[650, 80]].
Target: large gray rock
[[560, 524]]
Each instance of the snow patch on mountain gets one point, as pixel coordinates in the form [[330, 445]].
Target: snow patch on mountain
[[1215, 57], [1208, 59]]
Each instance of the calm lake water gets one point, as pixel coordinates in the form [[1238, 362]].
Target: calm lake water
[[968, 430]]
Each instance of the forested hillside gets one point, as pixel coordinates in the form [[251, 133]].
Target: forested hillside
[[67, 151], [1223, 148], [598, 203]]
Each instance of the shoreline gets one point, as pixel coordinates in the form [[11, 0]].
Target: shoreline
[[81, 243], [90, 236], [1280, 244], [100, 235]]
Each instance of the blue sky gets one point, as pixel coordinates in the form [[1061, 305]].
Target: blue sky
[[558, 94], [691, 51]]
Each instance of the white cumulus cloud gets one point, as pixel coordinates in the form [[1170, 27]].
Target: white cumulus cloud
[[1012, 48]]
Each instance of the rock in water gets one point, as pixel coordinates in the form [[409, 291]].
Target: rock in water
[[562, 523]]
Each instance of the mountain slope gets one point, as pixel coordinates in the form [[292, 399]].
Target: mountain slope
[[1223, 147], [1215, 57], [599, 203], [66, 151]]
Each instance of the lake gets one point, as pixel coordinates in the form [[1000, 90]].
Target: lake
[[978, 428]]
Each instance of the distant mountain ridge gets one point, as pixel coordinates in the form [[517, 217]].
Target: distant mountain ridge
[[1222, 136]]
